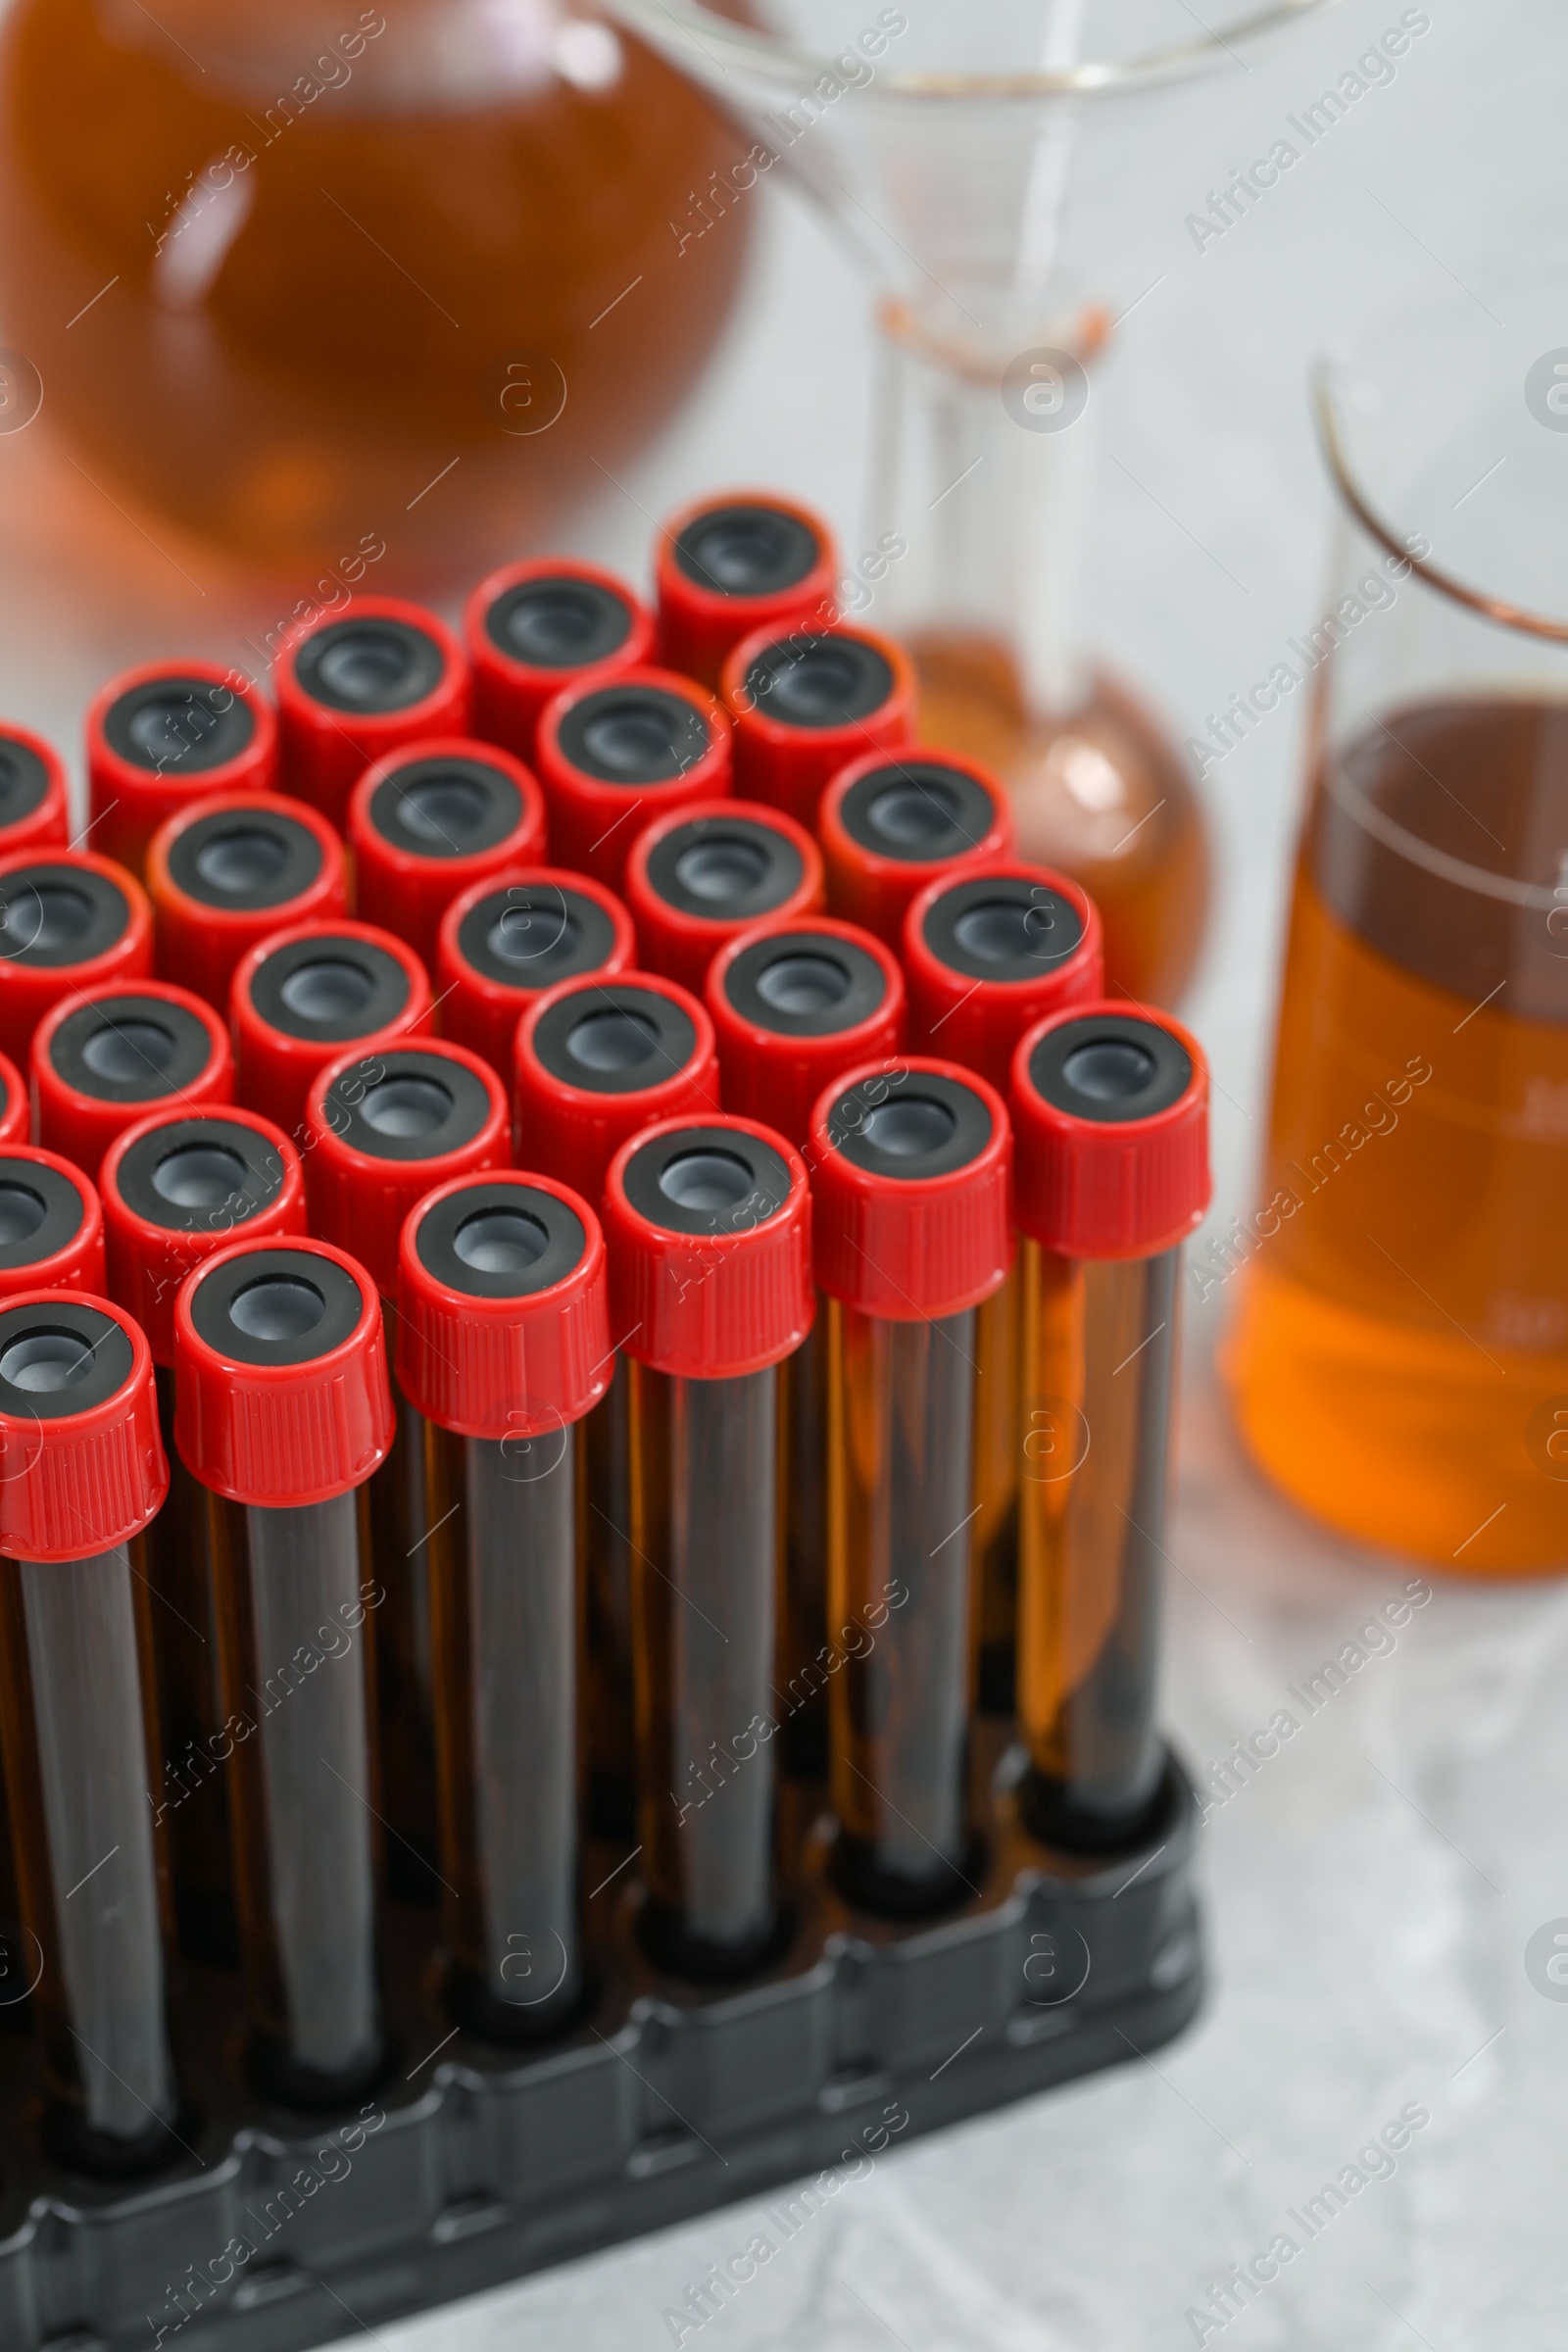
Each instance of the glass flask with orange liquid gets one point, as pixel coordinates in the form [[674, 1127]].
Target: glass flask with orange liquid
[[1400, 1356], [307, 278], [996, 167]]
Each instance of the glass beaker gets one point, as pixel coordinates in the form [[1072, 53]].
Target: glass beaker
[[980, 160], [1400, 1357]]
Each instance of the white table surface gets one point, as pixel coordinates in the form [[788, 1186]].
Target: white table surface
[[1370, 1896]]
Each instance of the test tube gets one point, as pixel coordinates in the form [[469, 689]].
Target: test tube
[[15, 1109], [1110, 1104], [596, 1061], [224, 874], [68, 919], [707, 1226], [503, 1346], [380, 1130], [34, 806], [351, 689], [697, 877], [533, 627], [793, 1005], [731, 564], [805, 700], [432, 819], [282, 1411], [83, 1473], [891, 826], [503, 942], [176, 1187], [910, 1177], [985, 954], [164, 735], [303, 995], [106, 1058], [613, 753]]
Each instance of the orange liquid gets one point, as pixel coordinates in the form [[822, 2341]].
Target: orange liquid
[[415, 267], [1399, 1359], [1101, 795]]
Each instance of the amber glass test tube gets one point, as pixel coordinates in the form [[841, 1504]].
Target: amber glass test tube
[[1112, 1161]]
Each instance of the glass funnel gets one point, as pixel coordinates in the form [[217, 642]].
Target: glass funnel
[[978, 159], [1400, 1357]]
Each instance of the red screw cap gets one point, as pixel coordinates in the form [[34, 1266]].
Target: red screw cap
[[34, 805], [699, 876], [51, 1224], [280, 1384], [15, 1110], [229, 871], [179, 1185], [164, 735], [596, 1060], [431, 819], [1110, 1104], [709, 1226], [531, 628], [889, 825], [503, 942], [103, 1059], [504, 1310], [804, 702], [68, 920], [305, 994], [795, 1002], [728, 565], [355, 685], [614, 752], [382, 1128], [988, 952], [83, 1466], [911, 1171]]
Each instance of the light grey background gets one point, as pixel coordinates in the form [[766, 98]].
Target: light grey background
[[1372, 1894]]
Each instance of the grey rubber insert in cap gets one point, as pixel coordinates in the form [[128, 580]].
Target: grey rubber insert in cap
[[178, 725], [42, 1210], [609, 1038], [820, 681], [370, 666], [805, 984], [501, 1240], [330, 987], [53, 914], [1110, 1067], [245, 860], [277, 1306], [634, 734], [724, 869], [127, 1047], [406, 1103], [707, 1180], [445, 807], [1002, 927], [746, 549], [60, 1357], [24, 780], [199, 1175], [530, 935], [919, 810], [559, 623], [910, 1127]]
